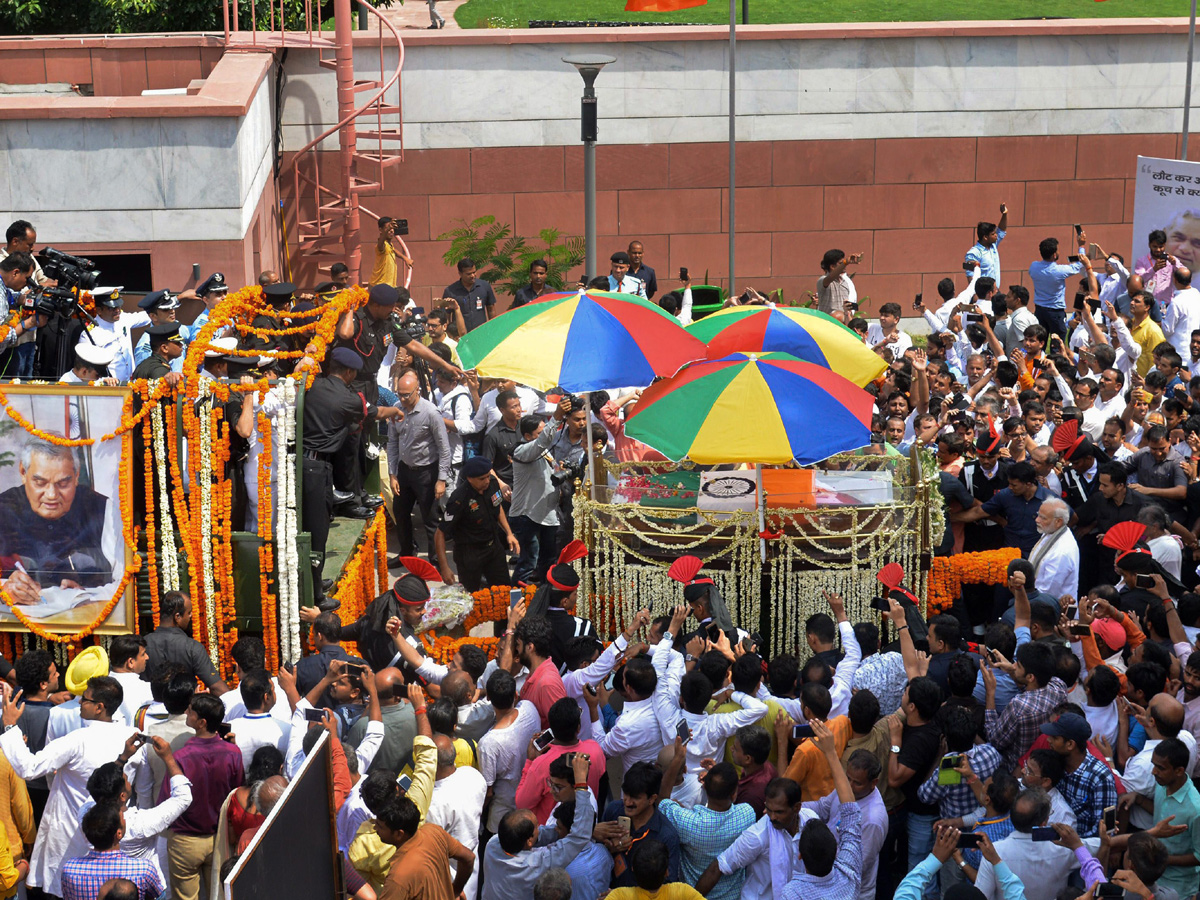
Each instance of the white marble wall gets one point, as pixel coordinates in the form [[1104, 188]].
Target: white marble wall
[[137, 179], [658, 92]]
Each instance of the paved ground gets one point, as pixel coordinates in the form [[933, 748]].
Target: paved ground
[[415, 13]]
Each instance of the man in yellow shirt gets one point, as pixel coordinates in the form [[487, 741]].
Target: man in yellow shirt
[[368, 852], [649, 860], [1145, 333], [386, 253]]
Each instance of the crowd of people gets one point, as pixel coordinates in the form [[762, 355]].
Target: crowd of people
[[1037, 739]]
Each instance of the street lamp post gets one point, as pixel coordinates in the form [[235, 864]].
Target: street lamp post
[[589, 66]]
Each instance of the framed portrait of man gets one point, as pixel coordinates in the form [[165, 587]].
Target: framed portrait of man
[[62, 543]]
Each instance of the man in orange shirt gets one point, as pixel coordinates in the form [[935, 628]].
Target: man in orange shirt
[[421, 867], [809, 767]]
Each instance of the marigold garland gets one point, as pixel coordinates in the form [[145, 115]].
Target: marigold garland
[[151, 536], [266, 549], [442, 649], [948, 574], [492, 604], [359, 582]]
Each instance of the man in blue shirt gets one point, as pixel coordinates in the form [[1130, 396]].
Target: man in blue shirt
[[1015, 507], [1049, 279], [986, 251], [473, 295]]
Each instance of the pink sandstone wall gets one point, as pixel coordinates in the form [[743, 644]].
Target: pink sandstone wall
[[118, 70], [909, 204]]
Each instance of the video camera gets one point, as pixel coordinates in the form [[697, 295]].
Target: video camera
[[74, 275]]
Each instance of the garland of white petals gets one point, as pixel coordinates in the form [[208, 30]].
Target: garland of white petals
[[208, 577], [168, 555], [288, 525]]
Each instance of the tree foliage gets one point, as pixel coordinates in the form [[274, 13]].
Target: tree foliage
[[503, 258], [137, 16]]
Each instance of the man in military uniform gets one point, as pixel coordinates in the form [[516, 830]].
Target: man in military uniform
[[51, 526], [474, 519], [91, 367], [331, 412], [162, 307], [620, 280], [279, 296], [212, 291], [112, 328], [166, 346], [369, 332], [237, 412]]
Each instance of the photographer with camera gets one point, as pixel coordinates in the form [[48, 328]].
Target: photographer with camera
[[20, 238], [15, 271], [369, 332]]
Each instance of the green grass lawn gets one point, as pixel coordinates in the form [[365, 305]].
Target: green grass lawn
[[517, 13]]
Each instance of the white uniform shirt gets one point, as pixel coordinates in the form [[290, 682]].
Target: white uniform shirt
[[72, 758], [117, 336], [137, 695]]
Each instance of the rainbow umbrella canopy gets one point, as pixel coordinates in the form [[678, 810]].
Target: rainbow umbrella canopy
[[804, 333], [585, 341], [753, 408]]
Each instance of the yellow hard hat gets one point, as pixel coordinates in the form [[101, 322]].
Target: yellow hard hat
[[90, 663]]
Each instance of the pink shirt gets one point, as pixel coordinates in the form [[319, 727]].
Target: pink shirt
[[627, 449], [542, 688], [533, 793], [1160, 283]]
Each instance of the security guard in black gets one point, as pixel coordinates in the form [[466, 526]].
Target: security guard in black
[[474, 519]]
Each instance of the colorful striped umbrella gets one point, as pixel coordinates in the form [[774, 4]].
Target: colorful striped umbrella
[[804, 333], [585, 341], [754, 408]]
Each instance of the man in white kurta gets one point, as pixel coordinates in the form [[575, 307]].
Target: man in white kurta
[[72, 759]]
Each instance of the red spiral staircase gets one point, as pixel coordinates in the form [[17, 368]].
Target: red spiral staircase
[[327, 194]]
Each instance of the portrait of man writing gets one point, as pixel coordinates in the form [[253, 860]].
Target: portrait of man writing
[[51, 526]]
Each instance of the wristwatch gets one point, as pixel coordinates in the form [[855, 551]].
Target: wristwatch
[[895, 748]]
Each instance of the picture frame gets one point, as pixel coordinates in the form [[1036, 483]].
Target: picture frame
[[62, 509]]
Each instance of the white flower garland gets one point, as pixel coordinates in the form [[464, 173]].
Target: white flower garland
[[204, 484], [168, 556], [287, 525]]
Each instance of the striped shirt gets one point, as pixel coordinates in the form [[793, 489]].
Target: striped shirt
[[704, 834], [83, 876]]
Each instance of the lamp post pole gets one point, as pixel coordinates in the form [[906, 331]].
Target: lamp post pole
[[589, 66], [1187, 87]]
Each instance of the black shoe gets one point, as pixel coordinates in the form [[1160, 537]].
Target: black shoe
[[326, 585], [355, 512], [341, 497], [328, 604], [374, 501], [432, 27], [394, 563]]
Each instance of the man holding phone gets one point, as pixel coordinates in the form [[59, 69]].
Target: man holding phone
[[986, 252], [1049, 278]]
